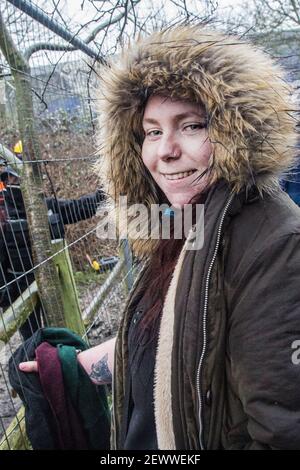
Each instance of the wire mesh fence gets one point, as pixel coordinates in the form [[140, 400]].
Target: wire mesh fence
[[93, 277], [49, 193]]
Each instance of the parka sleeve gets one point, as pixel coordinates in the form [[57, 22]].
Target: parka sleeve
[[264, 345], [74, 210]]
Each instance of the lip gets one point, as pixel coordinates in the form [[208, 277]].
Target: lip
[[167, 175], [177, 172], [188, 180]]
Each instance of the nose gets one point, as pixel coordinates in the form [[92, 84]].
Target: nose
[[169, 148]]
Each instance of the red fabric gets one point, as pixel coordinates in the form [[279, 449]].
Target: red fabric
[[70, 433]]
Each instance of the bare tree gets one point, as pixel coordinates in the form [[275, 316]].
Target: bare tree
[[268, 20], [46, 274], [276, 14]]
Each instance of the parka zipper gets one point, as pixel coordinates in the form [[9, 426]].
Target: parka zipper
[[200, 400]]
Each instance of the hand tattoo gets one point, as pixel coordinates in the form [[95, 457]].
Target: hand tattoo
[[100, 371]]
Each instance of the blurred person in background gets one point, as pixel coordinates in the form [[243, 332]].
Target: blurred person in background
[[15, 245]]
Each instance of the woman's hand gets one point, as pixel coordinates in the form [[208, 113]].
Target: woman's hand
[[97, 362], [29, 366]]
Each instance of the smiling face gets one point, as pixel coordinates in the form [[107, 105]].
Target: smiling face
[[176, 148]]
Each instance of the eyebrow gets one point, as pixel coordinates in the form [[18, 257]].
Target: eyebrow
[[177, 117]]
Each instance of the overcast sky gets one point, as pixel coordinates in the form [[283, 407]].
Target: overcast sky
[[74, 11]]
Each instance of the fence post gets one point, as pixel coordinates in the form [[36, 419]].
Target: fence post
[[16, 434], [18, 312], [71, 307], [126, 255], [32, 188]]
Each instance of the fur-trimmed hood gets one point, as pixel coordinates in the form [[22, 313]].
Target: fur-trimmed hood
[[242, 89]]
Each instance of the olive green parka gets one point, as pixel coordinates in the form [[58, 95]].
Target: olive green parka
[[227, 372]]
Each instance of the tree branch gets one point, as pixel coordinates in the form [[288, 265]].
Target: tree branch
[[45, 46], [91, 37], [110, 22]]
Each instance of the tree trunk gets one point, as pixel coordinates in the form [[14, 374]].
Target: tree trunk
[[45, 274]]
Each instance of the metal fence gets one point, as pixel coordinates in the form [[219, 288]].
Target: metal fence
[[48, 77], [57, 157]]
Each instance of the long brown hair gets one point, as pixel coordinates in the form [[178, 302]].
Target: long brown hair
[[159, 273]]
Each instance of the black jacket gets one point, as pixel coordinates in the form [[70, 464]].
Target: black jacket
[[15, 247], [69, 413]]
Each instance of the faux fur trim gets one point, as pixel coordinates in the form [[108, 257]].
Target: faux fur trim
[[244, 93]]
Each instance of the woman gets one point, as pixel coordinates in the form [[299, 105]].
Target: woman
[[206, 354]]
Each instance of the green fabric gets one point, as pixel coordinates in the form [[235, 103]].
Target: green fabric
[[88, 399], [56, 336]]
